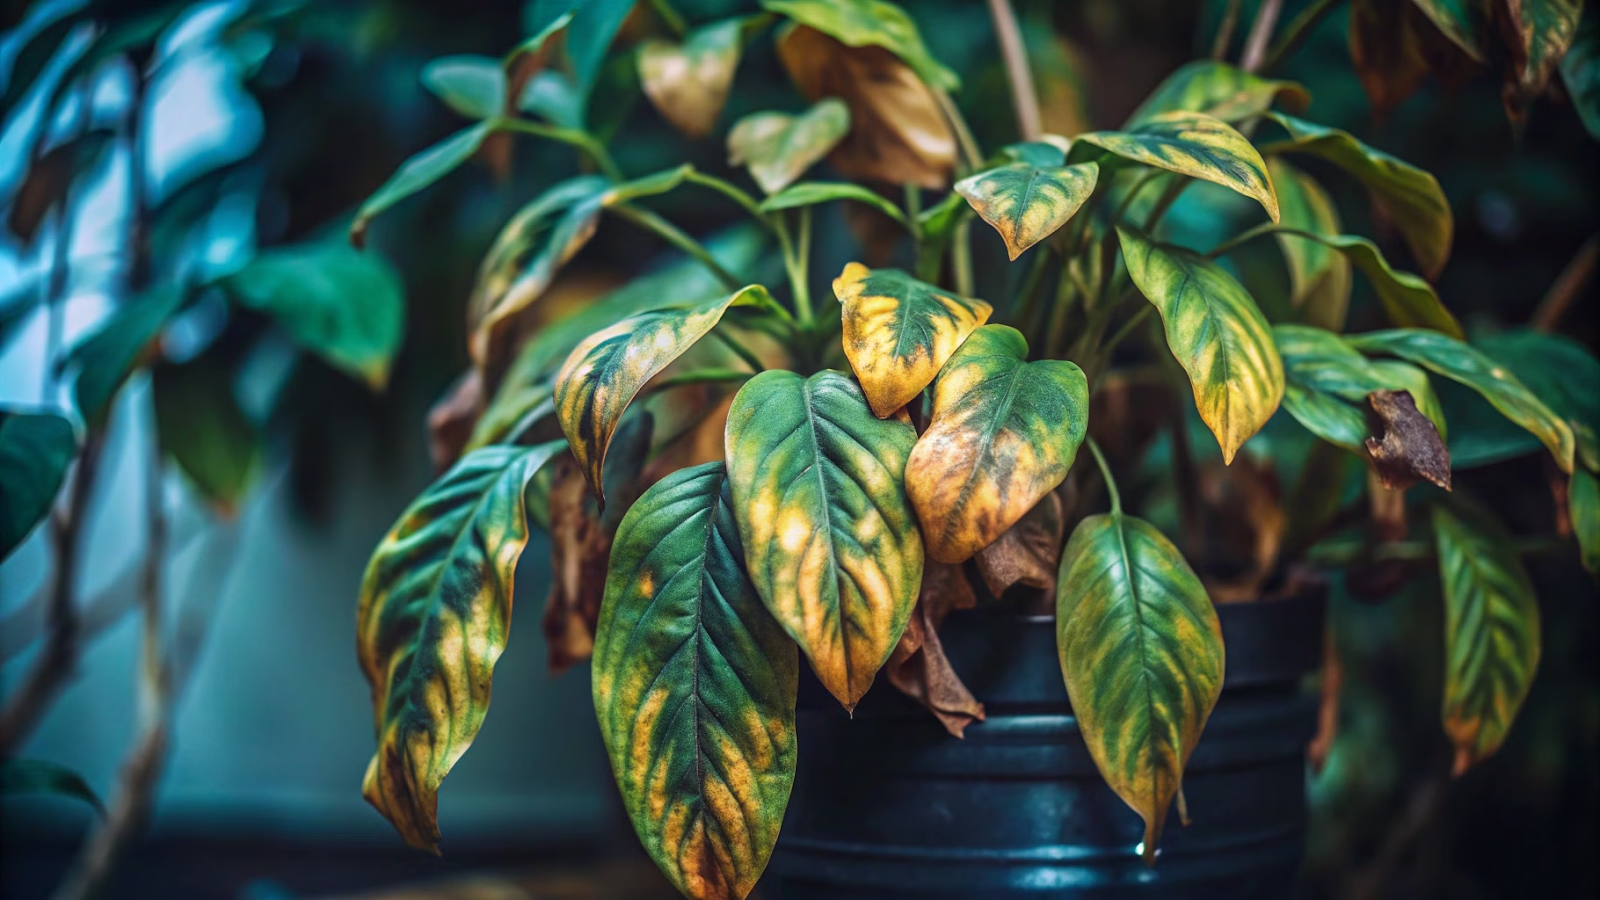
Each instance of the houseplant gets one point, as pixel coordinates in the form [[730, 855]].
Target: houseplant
[[786, 490]]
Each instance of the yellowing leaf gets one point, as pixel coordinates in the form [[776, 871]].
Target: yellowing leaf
[[899, 331], [1004, 433], [1141, 652], [1386, 51], [1409, 300], [1028, 203], [830, 540], [434, 612], [1219, 90], [1217, 334], [604, 373], [689, 82], [1491, 634], [1540, 32], [1191, 144], [869, 23], [779, 148], [1319, 276]]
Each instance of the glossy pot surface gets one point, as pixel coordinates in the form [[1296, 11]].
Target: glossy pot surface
[[887, 805]]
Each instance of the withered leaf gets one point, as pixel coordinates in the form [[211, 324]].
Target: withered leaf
[[1244, 527], [689, 82], [1407, 447], [580, 549], [1328, 709], [1386, 52], [1029, 552], [919, 667], [452, 419]]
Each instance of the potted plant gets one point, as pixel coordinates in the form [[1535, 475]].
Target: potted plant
[[818, 486]]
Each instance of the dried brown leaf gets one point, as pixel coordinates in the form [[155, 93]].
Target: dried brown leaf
[[451, 420], [1387, 55], [688, 83], [918, 666], [1244, 527], [1028, 553], [580, 548], [1407, 448]]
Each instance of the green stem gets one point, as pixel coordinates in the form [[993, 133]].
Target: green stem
[[1023, 298], [914, 213], [1168, 197], [798, 288], [1105, 473], [670, 17], [961, 257], [702, 376], [969, 144], [1243, 237], [582, 140], [1296, 32], [695, 176], [1133, 191], [1230, 18], [1128, 327], [675, 236], [740, 350]]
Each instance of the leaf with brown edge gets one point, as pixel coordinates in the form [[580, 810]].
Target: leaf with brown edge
[[778, 148], [434, 613], [831, 541], [1141, 653], [1491, 633], [688, 83], [452, 418], [603, 374], [898, 131], [898, 331], [1538, 33], [1406, 447], [1386, 52], [1029, 552], [919, 668], [694, 689], [1003, 434], [1027, 203]]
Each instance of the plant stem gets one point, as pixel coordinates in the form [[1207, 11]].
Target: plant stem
[[731, 191], [1230, 19], [1568, 287], [1133, 191], [670, 17], [1336, 553], [739, 350], [1015, 55], [914, 213], [1105, 473], [1255, 46], [675, 236], [969, 144], [1298, 29], [961, 257], [1023, 298], [582, 140], [1128, 327], [1243, 237]]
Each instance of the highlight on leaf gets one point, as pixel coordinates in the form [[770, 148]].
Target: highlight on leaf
[[1219, 90], [778, 148], [1191, 144], [1027, 203], [688, 83]]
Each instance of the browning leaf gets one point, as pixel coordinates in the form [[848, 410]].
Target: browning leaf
[[1029, 552], [452, 419], [1407, 447], [1386, 52], [1328, 710], [918, 666], [579, 551], [689, 82], [1245, 524]]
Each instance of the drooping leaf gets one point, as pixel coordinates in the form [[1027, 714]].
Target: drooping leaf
[[434, 613], [200, 425], [35, 776], [35, 450], [1029, 552], [604, 373], [1216, 333], [1386, 52], [1560, 371], [417, 173], [1407, 447], [1491, 633], [689, 82], [1411, 196], [1141, 652], [1319, 276], [919, 668], [1409, 300], [1583, 504], [1460, 362], [1191, 144], [1028, 203], [810, 193], [474, 86], [1219, 90], [694, 687], [344, 306], [452, 418], [830, 539], [1327, 383], [1580, 72], [1459, 20], [1403, 376], [898, 331], [898, 132], [107, 357], [1003, 434], [594, 26], [779, 148], [1539, 33], [869, 23]]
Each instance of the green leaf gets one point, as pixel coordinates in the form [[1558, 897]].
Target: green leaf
[[1319, 276], [1410, 301], [1028, 203], [106, 358], [1583, 503], [1457, 361], [417, 173], [1191, 144], [1141, 653], [1327, 382], [35, 450], [1561, 372], [830, 540], [688, 83], [1042, 154], [344, 306], [1580, 71], [35, 776], [694, 687], [1003, 434], [1491, 633], [1459, 20], [899, 331], [200, 425], [1219, 90], [870, 23], [1539, 33], [435, 608], [474, 86], [810, 193], [37, 46], [1215, 332], [595, 24], [1411, 196], [604, 373], [779, 148]]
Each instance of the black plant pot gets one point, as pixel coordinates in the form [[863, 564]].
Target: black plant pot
[[887, 805]]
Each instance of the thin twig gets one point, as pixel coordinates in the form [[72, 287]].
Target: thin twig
[[1255, 46], [1015, 55], [969, 145], [1230, 20], [1568, 287]]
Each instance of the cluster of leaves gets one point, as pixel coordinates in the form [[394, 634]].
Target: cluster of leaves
[[794, 490]]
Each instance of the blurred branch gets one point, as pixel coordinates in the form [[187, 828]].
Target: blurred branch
[[1299, 28], [1342, 552], [1569, 285], [675, 236], [1255, 46], [1230, 20], [1015, 54], [969, 145], [670, 17]]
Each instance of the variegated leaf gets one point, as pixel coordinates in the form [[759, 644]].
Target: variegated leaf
[[1220, 90], [434, 612], [1191, 144], [604, 373], [1141, 652], [899, 331], [779, 148], [1004, 433], [831, 542], [1028, 203], [1491, 633], [1217, 334], [1319, 276], [694, 687], [1409, 300], [688, 83]]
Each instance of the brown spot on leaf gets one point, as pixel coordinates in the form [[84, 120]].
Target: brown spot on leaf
[[1407, 448]]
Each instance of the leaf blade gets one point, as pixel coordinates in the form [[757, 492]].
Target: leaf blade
[[1026, 203], [35, 451], [1191, 144]]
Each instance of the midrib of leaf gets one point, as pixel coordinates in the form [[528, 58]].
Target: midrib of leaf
[[827, 527], [1130, 571], [988, 435]]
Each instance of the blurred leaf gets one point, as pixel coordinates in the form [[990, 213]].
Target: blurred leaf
[[34, 776], [1561, 372], [869, 23], [344, 306], [1408, 447], [919, 667], [1191, 144], [779, 148], [810, 193], [474, 86], [1027, 203], [1580, 71], [594, 26], [200, 425], [1042, 154], [50, 176], [1319, 276], [1386, 52], [1539, 33], [107, 357], [1459, 20], [35, 450], [417, 173], [1583, 500], [1218, 90], [689, 82], [552, 96], [37, 49], [1409, 300]]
